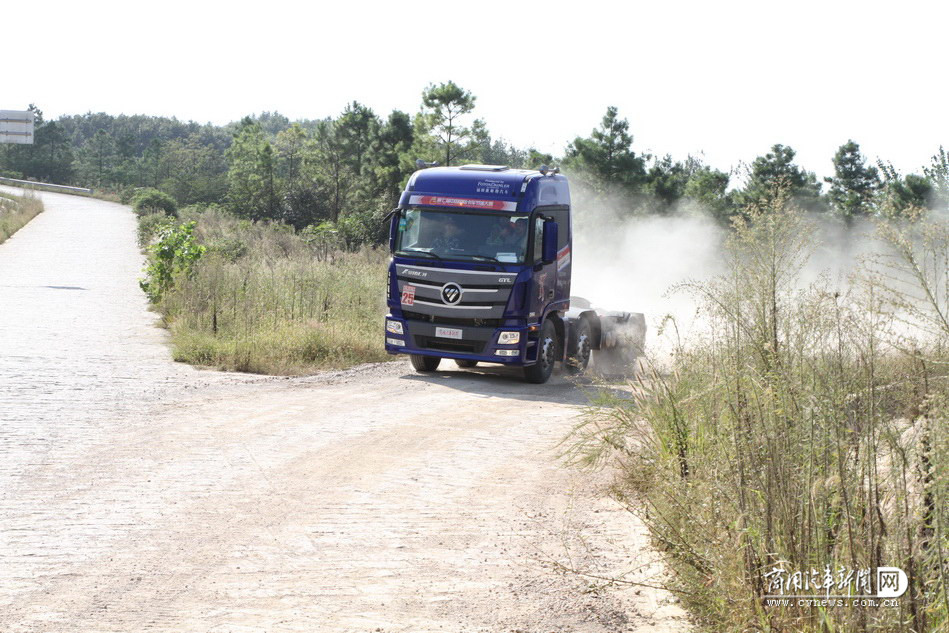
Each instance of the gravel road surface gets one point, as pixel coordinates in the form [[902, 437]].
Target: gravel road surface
[[138, 494]]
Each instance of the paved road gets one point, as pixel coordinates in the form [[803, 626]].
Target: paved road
[[137, 494]]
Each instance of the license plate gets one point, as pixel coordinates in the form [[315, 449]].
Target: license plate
[[447, 332]]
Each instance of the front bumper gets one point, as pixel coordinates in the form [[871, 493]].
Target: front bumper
[[476, 343]]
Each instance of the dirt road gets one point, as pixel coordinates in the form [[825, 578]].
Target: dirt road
[[137, 494]]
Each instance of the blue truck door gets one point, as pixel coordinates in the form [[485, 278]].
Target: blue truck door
[[564, 255], [544, 287]]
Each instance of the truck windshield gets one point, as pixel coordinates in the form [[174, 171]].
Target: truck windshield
[[444, 234]]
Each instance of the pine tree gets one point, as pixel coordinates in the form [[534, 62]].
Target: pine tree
[[389, 154], [252, 188], [905, 192], [854, 185], [708, 188], [607, 158], [446, 103], [96, 158], [776, 171]]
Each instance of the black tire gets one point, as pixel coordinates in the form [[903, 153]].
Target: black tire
[[540, 372], [424, 364], [466, 364], [579, 357]]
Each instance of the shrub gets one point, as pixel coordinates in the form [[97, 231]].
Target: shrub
[[150, 224], [150, 200], [172, 256]]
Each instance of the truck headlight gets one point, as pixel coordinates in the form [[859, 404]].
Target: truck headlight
[[394, 326], [395, 341], [509, 338], [506, 352]]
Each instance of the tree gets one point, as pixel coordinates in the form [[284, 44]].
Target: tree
[[392, 162], [290, 145], [356, 130], [536, 158], [52, 155], [607, 157], [776, 171], [447, 102], [709, 188], [326, 160], [97, 157], [193, 172], [252, 188], [150, 165], [666, 181], [854, 185], [904, 192], [490, 151]]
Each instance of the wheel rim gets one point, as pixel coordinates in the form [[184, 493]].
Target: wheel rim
[[547, 354], [583, 351]]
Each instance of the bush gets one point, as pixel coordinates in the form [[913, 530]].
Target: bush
[[126, 194], [150, 225], [150, 200], [172, 257]]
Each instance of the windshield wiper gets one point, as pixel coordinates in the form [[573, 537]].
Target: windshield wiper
[[412, 251], [485, 257]]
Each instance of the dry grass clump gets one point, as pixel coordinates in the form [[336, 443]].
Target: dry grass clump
[[16, 211], [261, 299]]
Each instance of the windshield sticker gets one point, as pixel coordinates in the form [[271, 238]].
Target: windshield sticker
[[507, 257], [468, 203]]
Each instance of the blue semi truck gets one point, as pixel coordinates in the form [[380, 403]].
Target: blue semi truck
[[480, 272]]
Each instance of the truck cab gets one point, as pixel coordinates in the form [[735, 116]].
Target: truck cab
[[480, 271], [480, 263]]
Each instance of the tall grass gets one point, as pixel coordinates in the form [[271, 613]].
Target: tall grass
[[806, 430], [261, 299], [16, 211]]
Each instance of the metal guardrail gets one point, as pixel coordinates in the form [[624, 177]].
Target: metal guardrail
[[44, 185]]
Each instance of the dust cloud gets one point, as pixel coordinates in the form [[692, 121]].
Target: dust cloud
[[635, 262]]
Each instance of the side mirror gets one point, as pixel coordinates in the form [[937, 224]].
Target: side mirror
[[549, 250], [394, 218]]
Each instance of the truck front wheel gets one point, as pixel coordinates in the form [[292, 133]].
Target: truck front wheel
[[540, 371], [466, 364], [424, 363]]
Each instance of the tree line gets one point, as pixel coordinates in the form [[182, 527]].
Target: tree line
[[345, 172]]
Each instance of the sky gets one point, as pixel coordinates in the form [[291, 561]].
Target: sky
[[724, 80]]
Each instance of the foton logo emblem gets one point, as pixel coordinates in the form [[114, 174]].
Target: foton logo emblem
[[451, 293]]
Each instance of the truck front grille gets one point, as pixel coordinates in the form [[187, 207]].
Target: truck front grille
[[440, 320]]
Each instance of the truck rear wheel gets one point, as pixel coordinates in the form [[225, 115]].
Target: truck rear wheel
[[579, 356], [539, 372], [424, 363], [466, 364]]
